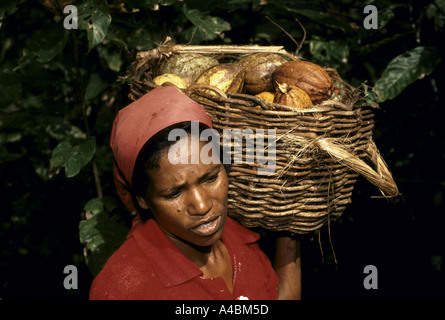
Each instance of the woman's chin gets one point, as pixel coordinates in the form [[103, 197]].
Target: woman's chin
[[207, 235]]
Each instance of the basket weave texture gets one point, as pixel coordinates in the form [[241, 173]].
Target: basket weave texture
[[319, 152]]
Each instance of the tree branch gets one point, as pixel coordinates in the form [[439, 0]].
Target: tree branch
[[81, 96]]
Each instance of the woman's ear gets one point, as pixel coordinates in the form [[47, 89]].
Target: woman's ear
[[142, 203]]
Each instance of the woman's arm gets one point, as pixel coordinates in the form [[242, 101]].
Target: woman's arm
[[288, 268]]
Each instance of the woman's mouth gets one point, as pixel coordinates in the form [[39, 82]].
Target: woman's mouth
[[208, 228]]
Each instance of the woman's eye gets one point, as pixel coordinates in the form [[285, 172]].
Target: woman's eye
[[212, 178], [173, 195]]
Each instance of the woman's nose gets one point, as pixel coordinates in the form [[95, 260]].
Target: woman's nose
[[199, 202]]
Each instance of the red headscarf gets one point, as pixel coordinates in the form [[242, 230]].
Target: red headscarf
[[138, 122]]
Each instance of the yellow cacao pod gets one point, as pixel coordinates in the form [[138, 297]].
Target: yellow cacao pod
[[265, 96], [308, 76], [259, 68], [170, 78], [227, 77], [189, 66], [292, 96]]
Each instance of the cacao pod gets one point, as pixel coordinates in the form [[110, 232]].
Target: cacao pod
[[308, 76], [259, 68], [227, 77], [170, 78], [292, 96], [339, 93], [265, 96], [189, 66]]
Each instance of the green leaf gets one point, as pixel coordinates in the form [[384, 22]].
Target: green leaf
[[102, 233], [112, 57], [436, 11], [28, 56], [315, 12], [333, 53], [370, 97], [45, 44], [114, 38], [60, 154], [10, 137], [50, 42], [83, 154], [87, 229], [405, 69], [95, 87], [72, 166], [94, 206], [387, 14], [95, 18], [72, 156], [210, 26], [8, 7], [60, 129]]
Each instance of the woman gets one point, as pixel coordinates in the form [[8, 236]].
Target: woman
[[182, 244]]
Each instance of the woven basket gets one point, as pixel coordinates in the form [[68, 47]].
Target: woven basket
[[320, 152]]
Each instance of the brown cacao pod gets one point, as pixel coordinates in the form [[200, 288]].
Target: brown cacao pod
[[308, 76], [189, 66], [259, 68], [292, 96], [227, 77]]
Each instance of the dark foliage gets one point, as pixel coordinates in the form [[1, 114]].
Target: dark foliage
[[59, 93]]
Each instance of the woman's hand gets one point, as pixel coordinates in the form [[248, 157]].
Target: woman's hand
[[288, 268]]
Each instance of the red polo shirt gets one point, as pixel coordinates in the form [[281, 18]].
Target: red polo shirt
[[149, 266]]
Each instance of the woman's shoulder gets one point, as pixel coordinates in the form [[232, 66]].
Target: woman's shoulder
[[125, 275], [235, 230]]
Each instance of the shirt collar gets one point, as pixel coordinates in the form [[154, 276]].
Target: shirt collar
[[170, 264]]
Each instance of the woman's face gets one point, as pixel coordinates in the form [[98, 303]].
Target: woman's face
[[188, 201]]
